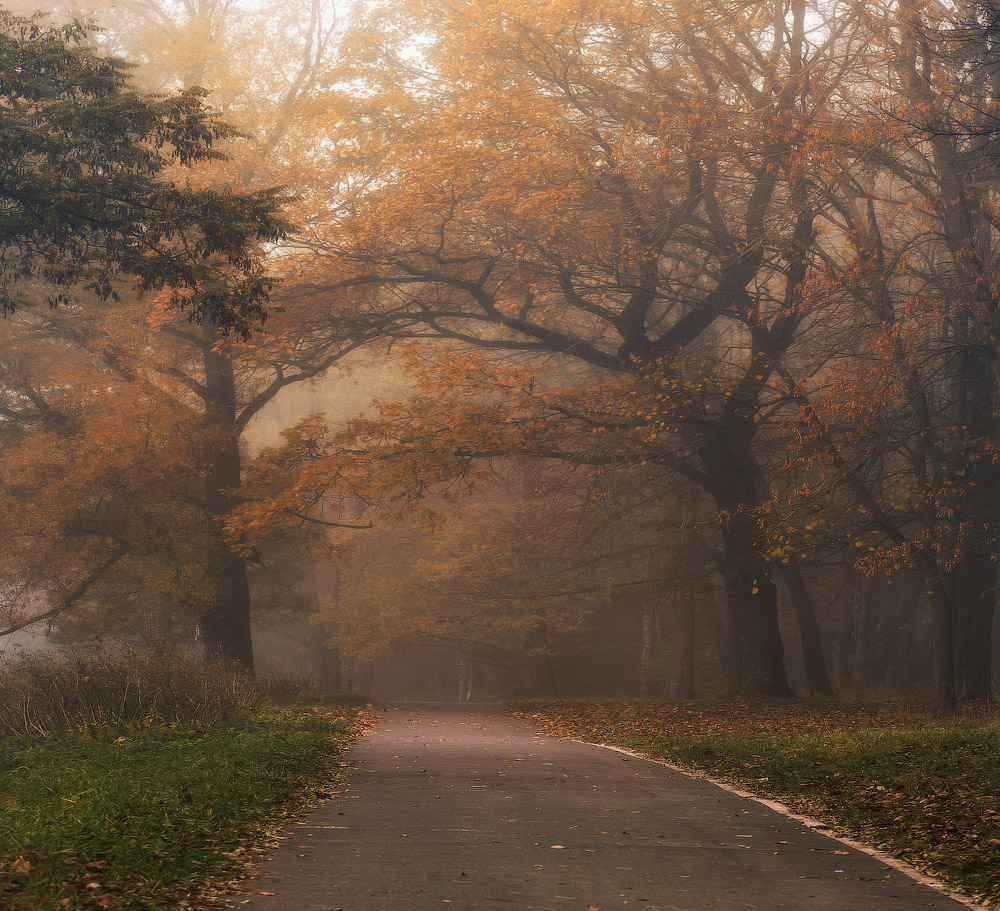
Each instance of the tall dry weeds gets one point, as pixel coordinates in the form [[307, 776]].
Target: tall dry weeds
[[44, 693]]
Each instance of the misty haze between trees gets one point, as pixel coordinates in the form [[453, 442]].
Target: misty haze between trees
[[470, 349]]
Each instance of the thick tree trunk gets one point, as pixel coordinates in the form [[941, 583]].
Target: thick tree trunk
[[817, 678], [975, 605], [751, 595], [752, 602], [225, 622], [975, 590]]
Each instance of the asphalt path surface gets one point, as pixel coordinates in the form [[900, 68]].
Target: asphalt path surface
[[469, 809]]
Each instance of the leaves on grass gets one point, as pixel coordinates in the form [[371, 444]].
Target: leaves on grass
[[162, 820]]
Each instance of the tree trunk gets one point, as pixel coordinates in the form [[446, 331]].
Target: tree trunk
[[225, 622], [348, 665], [648, 653], [976, 581], [942, 646], [366, 677], [897, 608], [975, 605], [751, 596], [817, 678], [864, 632], [752, 602], [326, 664], [541, 660], [688, 609], [846, 641], [723, 638]]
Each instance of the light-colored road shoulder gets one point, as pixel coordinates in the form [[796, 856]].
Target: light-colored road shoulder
[[817, 825]]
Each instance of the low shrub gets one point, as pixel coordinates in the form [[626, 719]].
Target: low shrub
[[41, 694], [275, 685]]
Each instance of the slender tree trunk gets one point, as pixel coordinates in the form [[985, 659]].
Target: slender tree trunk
[[541, 660], [326, 664], [847, 641], [869, 595], [817, 677], [898, 607], [326, 658], [366, 678], [942, 646], [648, 653], [225, 622], [722, 636], [688, 608]]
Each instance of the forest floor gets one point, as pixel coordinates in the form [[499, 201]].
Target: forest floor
[[924, 789], [159, 816]]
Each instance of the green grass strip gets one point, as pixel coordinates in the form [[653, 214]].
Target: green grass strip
[[134, 819], [927, 790]]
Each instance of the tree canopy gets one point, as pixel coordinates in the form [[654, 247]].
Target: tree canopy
[[84, 193]]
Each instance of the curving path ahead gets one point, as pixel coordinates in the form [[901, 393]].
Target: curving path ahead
[[474, 810]]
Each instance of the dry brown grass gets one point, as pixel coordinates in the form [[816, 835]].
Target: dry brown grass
[[44, 693]]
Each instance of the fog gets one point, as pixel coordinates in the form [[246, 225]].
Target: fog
[[640, 349]]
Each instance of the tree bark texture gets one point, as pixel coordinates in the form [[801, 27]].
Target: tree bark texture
[[225, 621], [752, 602]]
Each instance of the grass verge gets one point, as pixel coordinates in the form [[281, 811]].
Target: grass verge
[[924, 789], [144, 818]]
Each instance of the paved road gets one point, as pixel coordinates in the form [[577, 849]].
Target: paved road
[[473, 810]]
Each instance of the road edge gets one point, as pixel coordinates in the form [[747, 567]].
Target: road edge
[[817, 825]]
